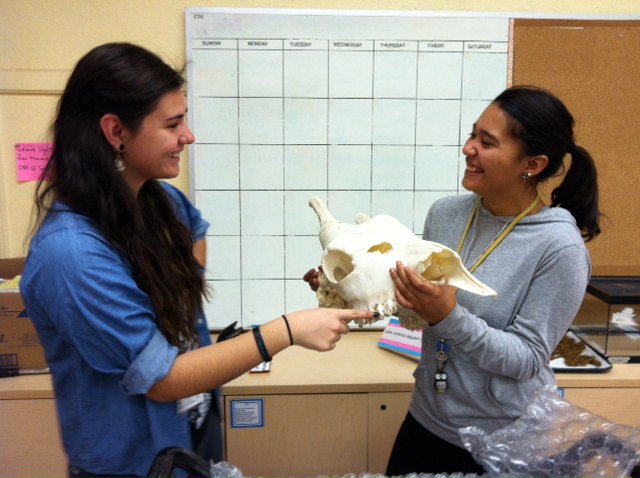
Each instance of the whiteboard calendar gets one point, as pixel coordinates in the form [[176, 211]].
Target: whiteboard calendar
[[368, 110]]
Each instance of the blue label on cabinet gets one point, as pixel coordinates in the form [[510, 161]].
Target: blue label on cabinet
[[247, 413]]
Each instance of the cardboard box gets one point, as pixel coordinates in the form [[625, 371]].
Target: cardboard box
[[11, 300], [20, 348]]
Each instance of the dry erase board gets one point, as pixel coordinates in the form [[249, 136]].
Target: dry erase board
[[366, 110]]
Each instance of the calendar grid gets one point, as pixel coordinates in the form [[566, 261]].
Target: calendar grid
[[371, 121]]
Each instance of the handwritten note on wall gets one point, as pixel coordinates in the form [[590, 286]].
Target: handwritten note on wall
[[31, 159]]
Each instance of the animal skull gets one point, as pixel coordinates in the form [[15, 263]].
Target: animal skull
[[357, 258]]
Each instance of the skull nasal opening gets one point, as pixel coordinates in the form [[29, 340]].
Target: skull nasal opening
[[337, 265]]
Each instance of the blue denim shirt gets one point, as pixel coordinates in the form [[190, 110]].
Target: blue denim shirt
[[102, 344]]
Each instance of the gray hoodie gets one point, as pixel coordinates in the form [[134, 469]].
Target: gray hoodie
[[500, 347]]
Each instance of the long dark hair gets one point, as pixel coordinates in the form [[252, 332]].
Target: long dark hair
[[128, 81], [544, 126]]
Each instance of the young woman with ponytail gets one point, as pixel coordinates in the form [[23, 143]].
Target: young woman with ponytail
[[494, 352]]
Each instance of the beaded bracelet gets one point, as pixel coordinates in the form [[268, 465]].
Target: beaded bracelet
[[286, 322], [261, 346]]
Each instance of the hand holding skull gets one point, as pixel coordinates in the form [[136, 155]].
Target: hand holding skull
[[429, 301]]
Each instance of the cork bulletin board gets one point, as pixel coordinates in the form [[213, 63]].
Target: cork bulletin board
[[594, 66]]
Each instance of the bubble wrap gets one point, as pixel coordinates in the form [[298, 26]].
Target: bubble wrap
[[410, 475], [555, 439]]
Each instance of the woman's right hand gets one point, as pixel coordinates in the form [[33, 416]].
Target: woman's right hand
[[320, 329], [431, 302]]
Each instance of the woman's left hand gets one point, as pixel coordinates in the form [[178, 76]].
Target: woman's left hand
[[312, 277], [431, 302]]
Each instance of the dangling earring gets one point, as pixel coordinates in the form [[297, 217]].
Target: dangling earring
[[119, 162], [526, 175]]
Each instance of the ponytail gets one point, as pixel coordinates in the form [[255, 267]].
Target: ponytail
[[578, 192]]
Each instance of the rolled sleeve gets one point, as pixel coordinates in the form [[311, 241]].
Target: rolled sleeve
[[151, 366]]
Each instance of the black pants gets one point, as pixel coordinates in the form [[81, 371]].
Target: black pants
[[207, 440], [417, 450]]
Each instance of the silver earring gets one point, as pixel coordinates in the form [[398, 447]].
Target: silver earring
[[526, 175], [118, 162]]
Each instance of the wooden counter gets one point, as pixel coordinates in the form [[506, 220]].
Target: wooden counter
[[356, 365], [358, 392]]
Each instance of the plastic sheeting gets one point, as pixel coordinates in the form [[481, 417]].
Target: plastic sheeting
[[555, 439]]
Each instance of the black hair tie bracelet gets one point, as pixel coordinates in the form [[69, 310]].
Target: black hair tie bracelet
[[286, 322]]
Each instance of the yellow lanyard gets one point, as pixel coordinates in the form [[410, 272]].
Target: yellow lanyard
[[440, 379], [498, 239]]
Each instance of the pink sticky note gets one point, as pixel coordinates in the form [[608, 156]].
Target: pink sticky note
[[31, 158]]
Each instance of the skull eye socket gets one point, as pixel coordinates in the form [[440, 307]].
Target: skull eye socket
[[337, 265]]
